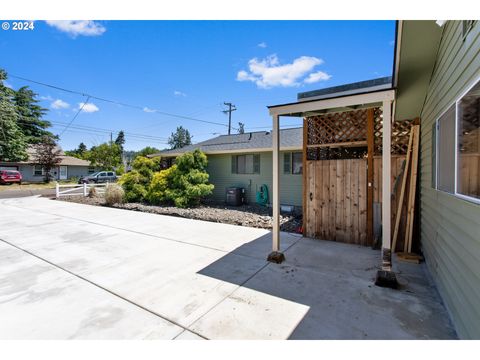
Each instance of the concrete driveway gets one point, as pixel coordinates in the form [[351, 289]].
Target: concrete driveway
[[72, 271]]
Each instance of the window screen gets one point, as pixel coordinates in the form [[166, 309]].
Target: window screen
[[468, 155], [246, 164], [446, 151]]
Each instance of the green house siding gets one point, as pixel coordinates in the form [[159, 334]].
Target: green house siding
[[220, 171], [450, 226]]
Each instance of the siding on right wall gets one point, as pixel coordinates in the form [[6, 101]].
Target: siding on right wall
[[450, 226]]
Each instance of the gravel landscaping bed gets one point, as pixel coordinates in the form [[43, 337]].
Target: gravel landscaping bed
[[245, 215]]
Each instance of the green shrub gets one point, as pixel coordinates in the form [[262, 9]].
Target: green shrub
[[188, 183], [114, 194], [159, 185], [136, 182], [120, 170]]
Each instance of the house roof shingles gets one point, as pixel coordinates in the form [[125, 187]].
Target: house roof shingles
[[254, 141]]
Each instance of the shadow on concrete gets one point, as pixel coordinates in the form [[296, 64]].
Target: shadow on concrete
[[335, 282]]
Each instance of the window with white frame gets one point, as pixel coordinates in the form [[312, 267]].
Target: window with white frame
[[38, 170], [246, 164], [293, 163], [456, 147], [468, 143]]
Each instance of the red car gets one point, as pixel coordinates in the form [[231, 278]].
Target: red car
[[10, 177]]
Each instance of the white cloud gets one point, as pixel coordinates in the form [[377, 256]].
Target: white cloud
[[78, 27], [148, 110], [59, 104], [179, 93], [87, 107], [48, 98], [317, 76], [268, 72], [262, 45], [7, 84]]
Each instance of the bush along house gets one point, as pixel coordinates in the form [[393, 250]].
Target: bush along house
[[245, 161]]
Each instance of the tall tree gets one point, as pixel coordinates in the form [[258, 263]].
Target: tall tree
[[120, 140], [82, 149], [80, 152], [13, 144], [241, 128], [180, 138], [147, 151], [30, 116], [47, 154], [106, 156]]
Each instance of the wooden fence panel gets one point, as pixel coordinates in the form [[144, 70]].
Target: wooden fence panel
[[336, 210]]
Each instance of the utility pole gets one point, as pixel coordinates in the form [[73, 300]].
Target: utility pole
[[231, 108]]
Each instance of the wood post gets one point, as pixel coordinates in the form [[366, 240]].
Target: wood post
[[386, 186], [276, 184], [370, 150], [413, 187], [57, 190], [84, 189], [304, 175], [402, 191]]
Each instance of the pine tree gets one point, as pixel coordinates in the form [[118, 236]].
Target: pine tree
[[180, 138], [12, 141], [30, 116], [120, 140], [82, 149]]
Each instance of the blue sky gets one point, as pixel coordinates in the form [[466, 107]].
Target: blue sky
[[187, 68]]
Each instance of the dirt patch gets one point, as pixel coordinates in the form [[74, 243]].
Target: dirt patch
[[245, 215]]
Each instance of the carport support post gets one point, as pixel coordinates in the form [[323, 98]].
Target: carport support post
[[386, 186], [276, 256]]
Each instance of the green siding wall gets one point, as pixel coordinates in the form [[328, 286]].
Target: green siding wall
[[220, 171], [450, 227]]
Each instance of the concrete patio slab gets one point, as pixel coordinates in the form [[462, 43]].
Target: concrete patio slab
[[202, 279], [40, 301]]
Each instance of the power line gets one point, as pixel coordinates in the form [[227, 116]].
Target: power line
[[115, 102], [91, 130], [231, 108], [73, 119]]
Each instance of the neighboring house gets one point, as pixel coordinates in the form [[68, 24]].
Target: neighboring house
[[245, 160], [69, 167], [436, 82]]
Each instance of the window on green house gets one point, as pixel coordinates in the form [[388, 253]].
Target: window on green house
[[445, 162], [246, 164], [293, 163], [468, 143], [456, 147]]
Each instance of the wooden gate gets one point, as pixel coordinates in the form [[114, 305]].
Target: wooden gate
[[336, 200]]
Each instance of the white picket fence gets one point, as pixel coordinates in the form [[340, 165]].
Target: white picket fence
[[78, 189]]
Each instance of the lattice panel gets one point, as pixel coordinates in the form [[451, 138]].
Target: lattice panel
[[337, 127], [340, 153], [400, 134]]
